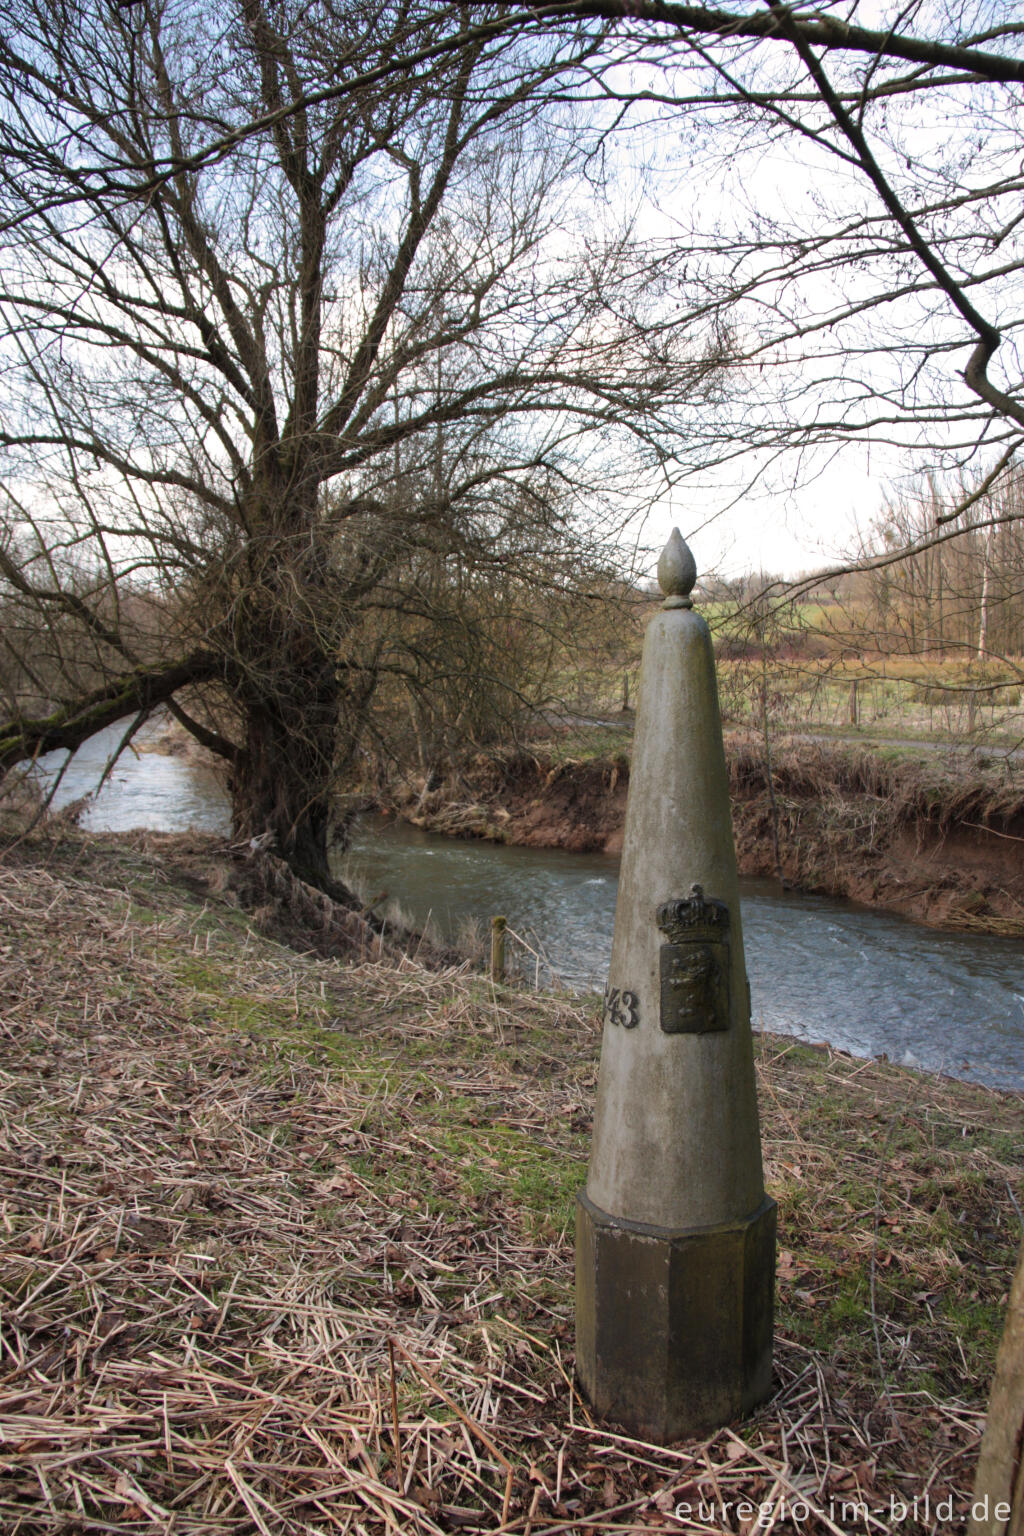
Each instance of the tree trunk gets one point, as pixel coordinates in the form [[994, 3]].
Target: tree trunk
[[284, 780], [983, 611], [293, 693]]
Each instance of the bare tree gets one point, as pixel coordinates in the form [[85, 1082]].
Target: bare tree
[[881, 303], [962, 594], [863, 249], [227, 375], [238, 242], [873, 297]]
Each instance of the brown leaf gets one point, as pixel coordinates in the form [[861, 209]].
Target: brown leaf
[[338, 1184], [841, 1479]]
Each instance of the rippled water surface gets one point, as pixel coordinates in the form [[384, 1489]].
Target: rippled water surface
[[819, 969], [822, 970], [144, 789]]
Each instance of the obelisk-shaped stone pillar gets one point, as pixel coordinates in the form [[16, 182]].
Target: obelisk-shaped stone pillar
[[675, 1238]]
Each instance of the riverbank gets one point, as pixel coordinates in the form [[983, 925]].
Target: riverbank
[[260, 1207], [935, 838]]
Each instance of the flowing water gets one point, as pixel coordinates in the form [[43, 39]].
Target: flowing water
[[866, 981], [144, 789]]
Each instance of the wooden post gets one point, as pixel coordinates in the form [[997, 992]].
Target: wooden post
[[998, 1505], [498, 926]]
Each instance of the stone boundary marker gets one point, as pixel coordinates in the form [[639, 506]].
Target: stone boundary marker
[[675, 1237]]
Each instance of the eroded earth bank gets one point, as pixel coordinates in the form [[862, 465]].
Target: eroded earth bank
[[937, 840]]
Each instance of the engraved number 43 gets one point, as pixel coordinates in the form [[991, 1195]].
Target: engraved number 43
[[621, 1007]]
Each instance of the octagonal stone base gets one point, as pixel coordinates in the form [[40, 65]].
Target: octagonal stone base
[[674, 1328]]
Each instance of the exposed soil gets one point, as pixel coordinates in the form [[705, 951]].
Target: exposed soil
[[935, 842]]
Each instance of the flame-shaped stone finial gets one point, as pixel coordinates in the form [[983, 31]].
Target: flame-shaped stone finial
[[677, 572]]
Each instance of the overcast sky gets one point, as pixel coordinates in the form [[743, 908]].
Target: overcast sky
[[803, 516], [815, 525]]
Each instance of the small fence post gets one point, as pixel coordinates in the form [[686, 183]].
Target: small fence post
[[498, 926]]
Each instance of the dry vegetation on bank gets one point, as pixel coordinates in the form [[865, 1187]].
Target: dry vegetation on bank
[[286, 1246], [935, 838], [939, 840]]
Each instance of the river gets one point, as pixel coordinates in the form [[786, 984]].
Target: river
[[866, 981]]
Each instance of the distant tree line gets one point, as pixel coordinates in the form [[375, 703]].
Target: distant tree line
[[961, 590]]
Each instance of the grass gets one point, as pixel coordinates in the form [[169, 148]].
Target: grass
[[940, 700], [258, 1206], [610, 743]]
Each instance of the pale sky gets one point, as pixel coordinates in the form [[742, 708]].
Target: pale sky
[[814, 525], [789, 528]]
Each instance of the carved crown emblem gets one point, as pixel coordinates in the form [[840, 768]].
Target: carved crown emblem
[[693, 917]]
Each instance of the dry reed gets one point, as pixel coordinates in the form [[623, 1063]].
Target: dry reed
[[259, 1274]]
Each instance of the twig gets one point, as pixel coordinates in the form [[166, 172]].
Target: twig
[[394, 1418]]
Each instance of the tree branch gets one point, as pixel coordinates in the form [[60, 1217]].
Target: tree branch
[[66, 728], [213, 741]]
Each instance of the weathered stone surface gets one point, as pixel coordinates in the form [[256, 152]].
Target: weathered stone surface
[[674, 1329], [675, 1254], [997, 1508], [676, 1139]]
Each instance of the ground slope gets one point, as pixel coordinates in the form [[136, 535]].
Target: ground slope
[[286, 1244]]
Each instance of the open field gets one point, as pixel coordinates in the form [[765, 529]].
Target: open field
[[286, 1243], [944, 700], [822, 667]]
